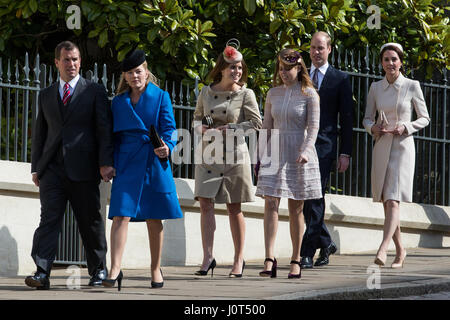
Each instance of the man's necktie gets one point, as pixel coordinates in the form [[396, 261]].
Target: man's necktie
[[315, 78], [66, 94]]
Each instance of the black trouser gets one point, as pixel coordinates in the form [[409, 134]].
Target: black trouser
[[55, 190], [316, 234]]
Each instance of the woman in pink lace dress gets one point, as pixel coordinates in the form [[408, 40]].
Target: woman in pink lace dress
[[289, 164]]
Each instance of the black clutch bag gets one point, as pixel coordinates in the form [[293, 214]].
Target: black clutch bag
[[256, 171], [208, 121], [156, 140]]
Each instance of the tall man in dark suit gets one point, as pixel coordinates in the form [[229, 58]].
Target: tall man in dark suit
[[335, 99], [72, 148]]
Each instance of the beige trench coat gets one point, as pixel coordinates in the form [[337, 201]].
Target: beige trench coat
[[223, 173], [393, 157]]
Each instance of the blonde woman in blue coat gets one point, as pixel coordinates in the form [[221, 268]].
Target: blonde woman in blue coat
[[143, 188]]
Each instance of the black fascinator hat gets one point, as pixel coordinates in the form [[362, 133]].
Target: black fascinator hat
[[133, 59]]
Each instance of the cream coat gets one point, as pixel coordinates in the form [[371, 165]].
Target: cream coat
[[224, 174], [393, 157]]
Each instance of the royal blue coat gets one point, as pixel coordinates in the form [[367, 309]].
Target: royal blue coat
[[143, 187]]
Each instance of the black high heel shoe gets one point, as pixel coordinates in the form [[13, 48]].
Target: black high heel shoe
[[238, 275], [293, 275], [158, 284], [270, 273], [109, 283], [212, 265]]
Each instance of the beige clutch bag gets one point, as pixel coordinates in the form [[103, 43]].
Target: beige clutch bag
[[382, 119]]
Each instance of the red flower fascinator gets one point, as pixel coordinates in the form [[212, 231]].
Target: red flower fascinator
[[231, 53]]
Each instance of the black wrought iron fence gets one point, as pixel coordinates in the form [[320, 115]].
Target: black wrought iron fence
[[20, 85], [432, 175], [19, 94]]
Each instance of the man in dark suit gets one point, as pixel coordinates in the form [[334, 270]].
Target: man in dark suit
[[72, 148], [335, 99]]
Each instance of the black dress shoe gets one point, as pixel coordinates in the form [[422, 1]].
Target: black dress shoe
[[324, 254], [40, 281], [98, 277], [306, 263], [322, 261]]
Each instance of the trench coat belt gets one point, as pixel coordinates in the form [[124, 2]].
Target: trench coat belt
[[144, 140]]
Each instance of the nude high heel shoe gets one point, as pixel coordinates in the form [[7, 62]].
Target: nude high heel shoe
[[399, 264], [380, 259], [238, 275]]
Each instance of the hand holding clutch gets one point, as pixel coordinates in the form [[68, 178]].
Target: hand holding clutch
[[380, 126], [162, 152], [208, 121], [382, 119], [161, 149]]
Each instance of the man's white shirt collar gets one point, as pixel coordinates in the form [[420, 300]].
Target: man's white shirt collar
[[322, 69], [72, 83]]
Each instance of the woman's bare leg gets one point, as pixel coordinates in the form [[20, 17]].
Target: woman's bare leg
[[237, 226], [208, 227], [119, 232]]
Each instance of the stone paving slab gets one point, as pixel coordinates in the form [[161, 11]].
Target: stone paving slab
[[444, 295], [426, 271]]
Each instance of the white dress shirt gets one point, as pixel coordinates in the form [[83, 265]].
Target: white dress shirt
[[72, 85]]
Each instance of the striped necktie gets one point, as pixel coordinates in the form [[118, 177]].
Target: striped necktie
[[315, 78], [66, 94]]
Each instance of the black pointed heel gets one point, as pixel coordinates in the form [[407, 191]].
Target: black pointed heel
[[270, 273], [212, 265], [158, 284], [110, 283], [237, 275], [293, 275]]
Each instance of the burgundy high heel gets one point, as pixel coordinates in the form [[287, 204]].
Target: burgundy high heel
[[293, 275], [270, 273]]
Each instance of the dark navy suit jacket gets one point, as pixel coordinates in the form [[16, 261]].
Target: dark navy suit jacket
[[335, 98], [83, 131]]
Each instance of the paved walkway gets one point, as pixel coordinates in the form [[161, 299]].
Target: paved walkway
[[444, 295], [426, 271]]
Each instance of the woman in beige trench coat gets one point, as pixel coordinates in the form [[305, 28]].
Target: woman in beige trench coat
[[223, 174], [393, 157]]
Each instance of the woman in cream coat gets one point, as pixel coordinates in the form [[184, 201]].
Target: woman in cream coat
[[393, 157], [223, 174]]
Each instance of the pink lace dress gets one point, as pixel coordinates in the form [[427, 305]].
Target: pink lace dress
[[291, 120]]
